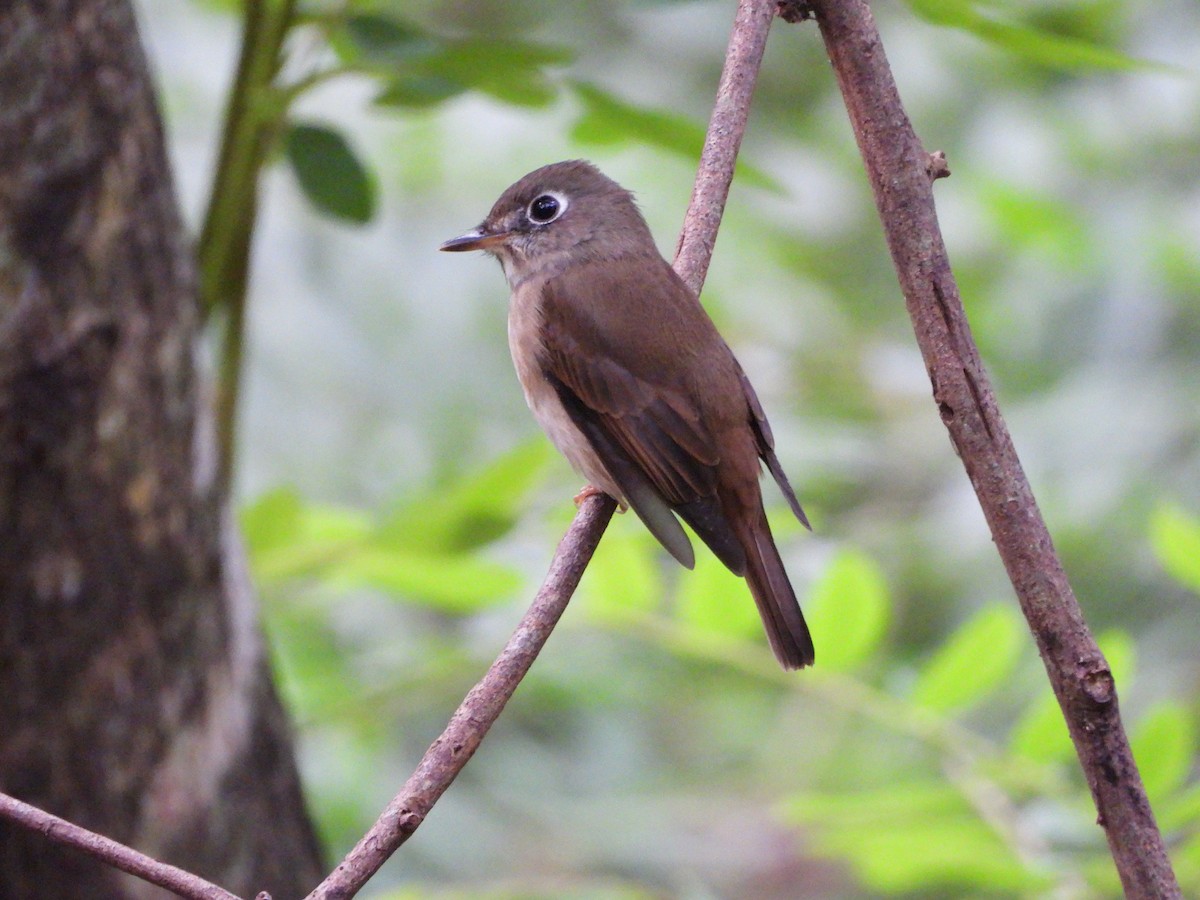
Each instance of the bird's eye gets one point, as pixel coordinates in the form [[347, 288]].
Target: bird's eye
[[546, 208]]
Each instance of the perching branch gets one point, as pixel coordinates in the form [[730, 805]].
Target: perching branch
[[450, 752], [447, 755], [743, 59], [483, 705], [901, 176], [185, 884]]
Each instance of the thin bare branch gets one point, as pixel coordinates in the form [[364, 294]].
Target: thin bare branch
[[479, 710], [743, 58], [107, 850], [447, 755], [901, 176]]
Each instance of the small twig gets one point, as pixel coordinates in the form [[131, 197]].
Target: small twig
[[899, 171], [107, 850], [936, 165], [447, 755], [747, 43]]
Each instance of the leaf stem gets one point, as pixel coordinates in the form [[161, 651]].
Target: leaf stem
[[252, 120]]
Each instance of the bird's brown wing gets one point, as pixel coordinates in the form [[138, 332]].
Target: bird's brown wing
[[638, 413], [766, 447]]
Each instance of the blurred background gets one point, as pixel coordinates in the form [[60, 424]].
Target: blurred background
[[401, 506]]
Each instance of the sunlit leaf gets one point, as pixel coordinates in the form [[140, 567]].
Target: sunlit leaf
[[329, 172], [952, 854], [475, 509], [889, 806], [624, 576], [607, 120], [1175, 538], [847, 610], [1179, 810], [1036, 222], [451, 583], [712, 598], [272, 520], [1120, 654], [915, 836], [974, 661], [288, 538], [1041, 734], [1164, 744]]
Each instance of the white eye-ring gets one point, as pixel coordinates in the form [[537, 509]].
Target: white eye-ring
[[545, 208]]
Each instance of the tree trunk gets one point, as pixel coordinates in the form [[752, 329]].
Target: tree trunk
[[135, 697]]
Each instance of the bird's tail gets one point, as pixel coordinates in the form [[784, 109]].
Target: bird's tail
[[775, 598]]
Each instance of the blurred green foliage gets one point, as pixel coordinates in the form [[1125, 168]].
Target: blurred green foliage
[[400, 508]]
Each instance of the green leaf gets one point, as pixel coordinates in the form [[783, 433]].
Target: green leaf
[[384, 40], [1041, 734], [1031, 43], [475, 509], [951, 854], [607, 120], [973, 662], [417, 91], [512, 71], [892, 806], [1179, 810], [1119, 652], [624, 577], [848, 610], [287, 538], [314, 672], [273, 520], [1164, 744], [451, 583], [329, 173], [1037, 223], [713, 599], [912, 836], [1175, 538], [1051, 50]]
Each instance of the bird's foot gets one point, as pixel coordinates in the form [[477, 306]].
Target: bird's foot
[[590, 490]]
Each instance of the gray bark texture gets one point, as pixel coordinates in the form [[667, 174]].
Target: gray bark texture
[[135, 697]]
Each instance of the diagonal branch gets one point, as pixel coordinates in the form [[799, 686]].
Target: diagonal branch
[[900, 173], [449, 753], [185, 884], [743, 59], [447, 756], [479, 710]]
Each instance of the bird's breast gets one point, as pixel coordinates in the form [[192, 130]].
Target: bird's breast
[[526, 337]]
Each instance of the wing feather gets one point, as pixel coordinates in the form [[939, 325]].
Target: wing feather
[[647, 430]]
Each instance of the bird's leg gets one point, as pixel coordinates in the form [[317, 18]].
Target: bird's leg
[[590, 490]]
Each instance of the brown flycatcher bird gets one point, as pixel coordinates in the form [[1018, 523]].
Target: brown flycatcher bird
[[626, 373]]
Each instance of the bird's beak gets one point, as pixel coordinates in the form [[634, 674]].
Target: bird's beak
[[475, 239]]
